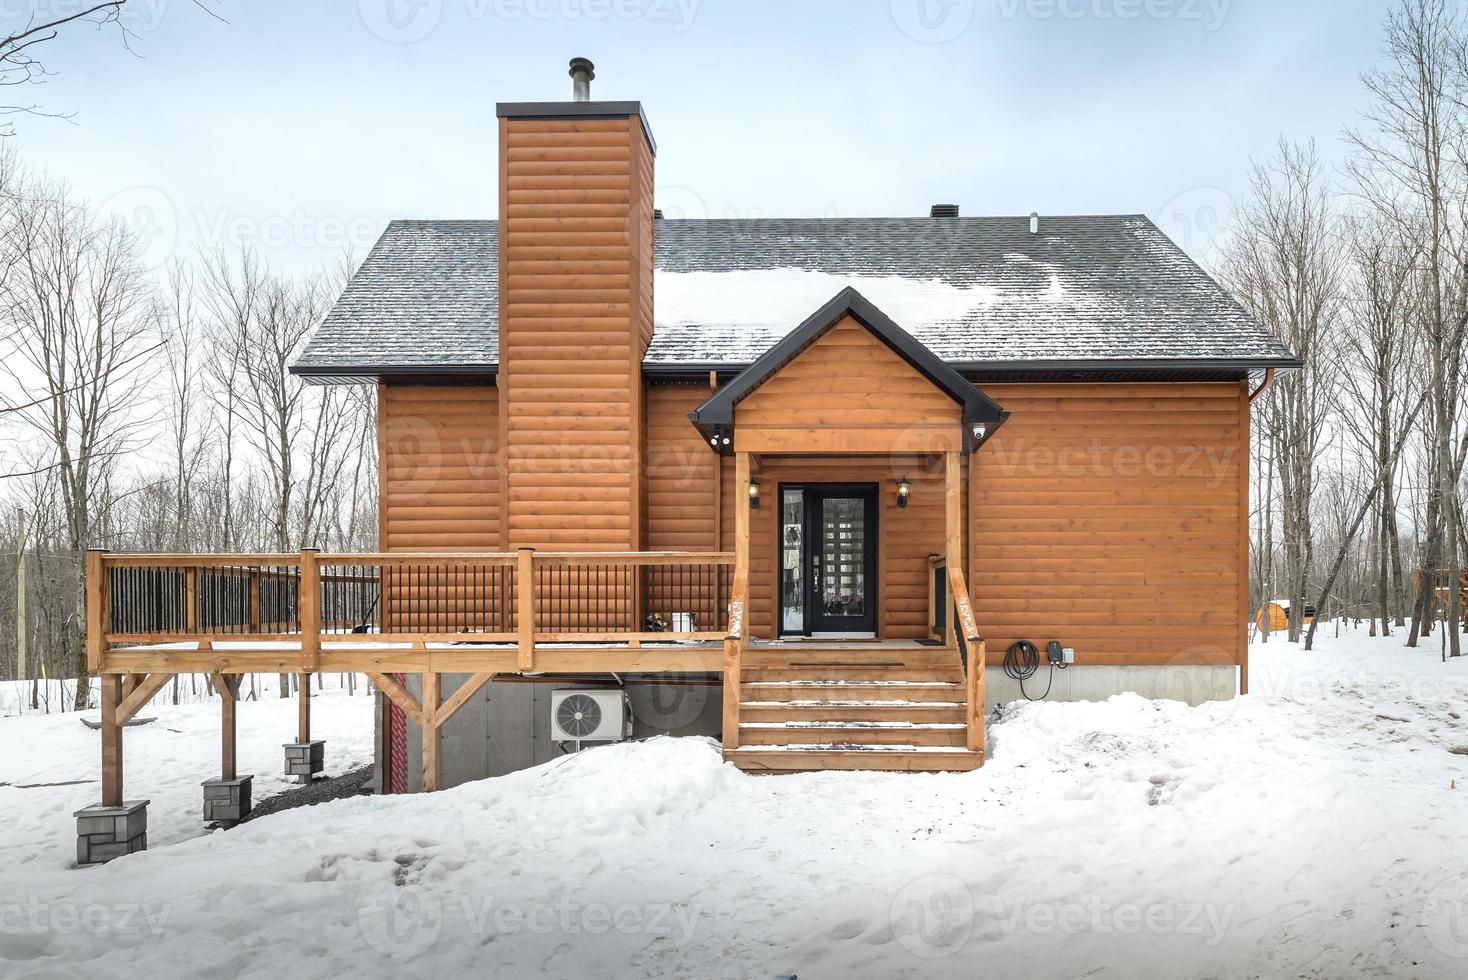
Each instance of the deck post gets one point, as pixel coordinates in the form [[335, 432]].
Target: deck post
[[303, 708], [975, 696], [304, 758], [227, 800], [432, 763], [227, 710], [308, 599], [525, 586], [111, 740], [97, 602], [731, 694]]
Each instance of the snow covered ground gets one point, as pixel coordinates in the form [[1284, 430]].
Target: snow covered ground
[[1315, 828]]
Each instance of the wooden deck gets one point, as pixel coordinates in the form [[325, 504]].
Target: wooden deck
[[788, 705]]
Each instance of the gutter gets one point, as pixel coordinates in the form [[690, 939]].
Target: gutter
[[1263, 385]]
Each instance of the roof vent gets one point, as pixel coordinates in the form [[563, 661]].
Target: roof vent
[[1034, 222], [582, 72], [657, 214], [943, 211]]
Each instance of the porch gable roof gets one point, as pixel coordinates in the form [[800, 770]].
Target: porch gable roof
[[981, 415]]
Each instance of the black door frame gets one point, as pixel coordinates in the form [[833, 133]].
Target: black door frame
[[812, 493]]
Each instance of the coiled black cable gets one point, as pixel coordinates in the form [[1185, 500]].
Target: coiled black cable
[[1021, 661]]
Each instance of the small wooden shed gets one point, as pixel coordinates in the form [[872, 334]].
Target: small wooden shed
[[1278, 611]]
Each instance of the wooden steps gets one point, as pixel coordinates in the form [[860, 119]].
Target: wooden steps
[[886, 707]]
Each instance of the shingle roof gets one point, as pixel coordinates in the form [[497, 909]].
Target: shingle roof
[[425, 298], [983, 291]]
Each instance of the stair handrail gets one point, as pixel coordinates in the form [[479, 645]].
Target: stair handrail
[[974, 663]]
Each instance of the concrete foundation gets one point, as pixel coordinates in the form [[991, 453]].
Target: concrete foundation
[[506, 726], [1192, 684], [107, 832], [305, 759], [227, 801]]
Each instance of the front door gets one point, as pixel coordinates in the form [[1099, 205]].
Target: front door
[[828, 566]]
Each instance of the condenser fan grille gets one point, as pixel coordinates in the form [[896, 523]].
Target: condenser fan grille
[[579, 715]]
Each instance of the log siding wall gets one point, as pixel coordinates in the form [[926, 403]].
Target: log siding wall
[[440, 484], [1109, 517]]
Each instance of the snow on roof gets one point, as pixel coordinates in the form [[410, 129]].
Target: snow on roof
[[976, 291]]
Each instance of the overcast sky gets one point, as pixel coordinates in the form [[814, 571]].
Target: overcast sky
[[304, 125]]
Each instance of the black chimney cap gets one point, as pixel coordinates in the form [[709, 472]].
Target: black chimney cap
[[943, 211], [582, 64]]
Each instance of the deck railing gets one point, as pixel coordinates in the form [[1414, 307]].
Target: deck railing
[[524, 598]]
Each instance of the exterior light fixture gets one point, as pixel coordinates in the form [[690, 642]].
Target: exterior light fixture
[[754, 495], [904, 490]]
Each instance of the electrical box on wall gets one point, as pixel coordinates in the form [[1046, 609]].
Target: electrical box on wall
[[1059, 656]]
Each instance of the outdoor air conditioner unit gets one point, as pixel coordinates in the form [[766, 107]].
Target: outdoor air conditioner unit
[[590, 716]]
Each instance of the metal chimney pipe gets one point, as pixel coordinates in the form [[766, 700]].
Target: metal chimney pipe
[[582, 72]]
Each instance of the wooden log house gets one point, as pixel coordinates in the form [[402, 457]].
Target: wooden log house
[[834, 468]]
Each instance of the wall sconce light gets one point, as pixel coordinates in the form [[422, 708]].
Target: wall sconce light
[[753, 494], [904, 490]]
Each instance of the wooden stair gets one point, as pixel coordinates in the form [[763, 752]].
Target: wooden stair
[[805, 708]]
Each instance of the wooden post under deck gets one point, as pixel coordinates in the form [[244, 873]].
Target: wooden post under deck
[[432, 764], [111, 740], [525, 586], [227, 692], [303, 708]]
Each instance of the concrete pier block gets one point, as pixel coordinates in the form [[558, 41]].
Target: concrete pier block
[[107, 832], [305, 759], [227, 801]]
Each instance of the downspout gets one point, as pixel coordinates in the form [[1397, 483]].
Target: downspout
[[1263, 385]]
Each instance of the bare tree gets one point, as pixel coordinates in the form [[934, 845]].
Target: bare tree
[[1410, 156], [20, 49], [1284, 264], [1378, 379], [82, 316]]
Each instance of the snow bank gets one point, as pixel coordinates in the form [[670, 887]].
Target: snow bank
[[1314, 828]]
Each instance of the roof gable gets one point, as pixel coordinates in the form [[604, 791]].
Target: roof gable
[[715, 418]]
